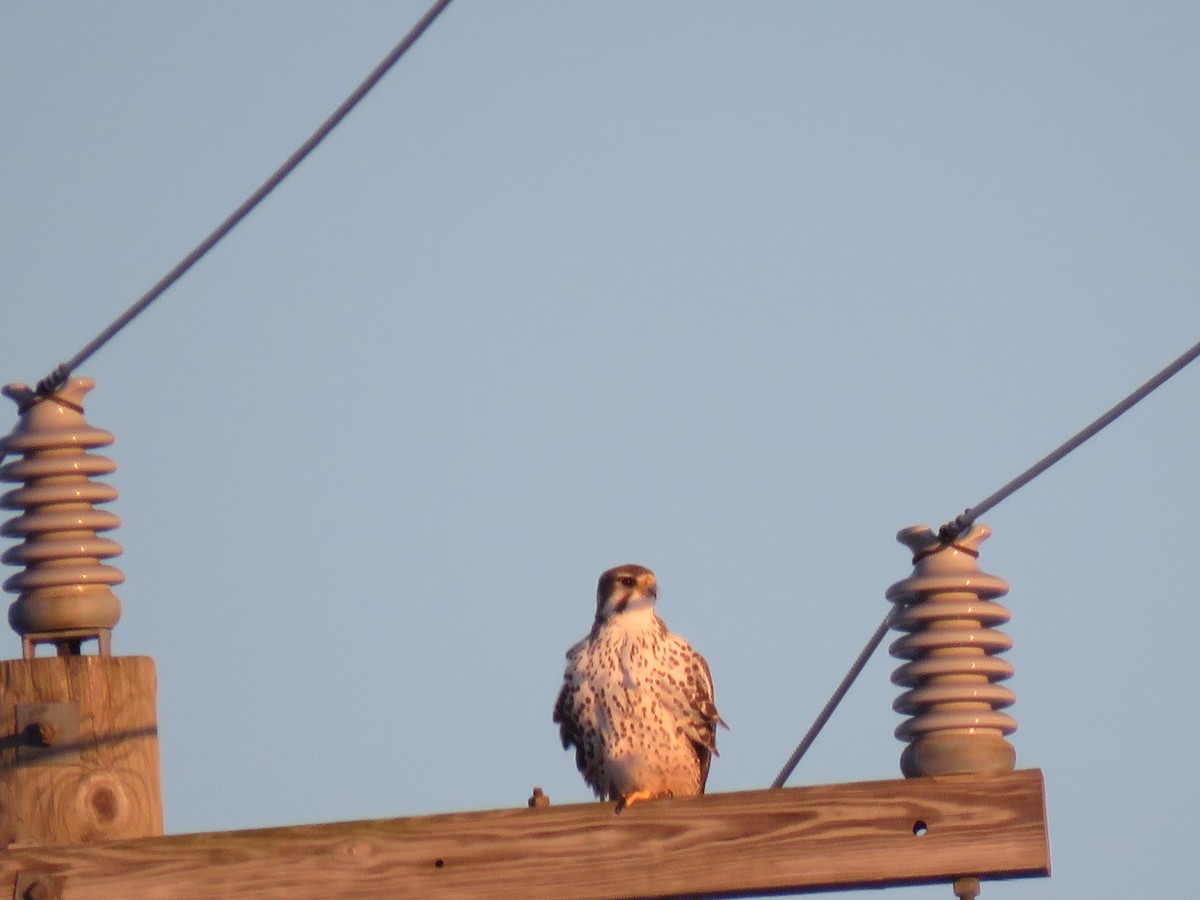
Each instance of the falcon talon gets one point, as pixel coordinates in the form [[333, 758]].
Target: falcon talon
[[637, 701], [629, 799]]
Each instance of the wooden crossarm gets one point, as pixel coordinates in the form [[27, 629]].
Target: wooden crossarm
[[743, 844]]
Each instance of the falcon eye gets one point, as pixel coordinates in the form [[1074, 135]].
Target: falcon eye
[[628, 580]]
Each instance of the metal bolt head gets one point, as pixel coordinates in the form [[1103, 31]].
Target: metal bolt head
[[46, 733], [966, 888]]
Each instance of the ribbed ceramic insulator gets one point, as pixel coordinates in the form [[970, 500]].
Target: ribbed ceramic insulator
[[954, 701], [64, 590]]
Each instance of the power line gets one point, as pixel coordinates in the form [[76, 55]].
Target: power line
[[58, 377], [839, 693], [955, 527]]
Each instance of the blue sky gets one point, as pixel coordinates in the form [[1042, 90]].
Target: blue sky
[[735, 291]]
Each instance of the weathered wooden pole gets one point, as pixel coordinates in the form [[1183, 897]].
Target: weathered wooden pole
[[78, 733], [953, 701]]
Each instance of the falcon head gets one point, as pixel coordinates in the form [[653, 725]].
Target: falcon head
[[624, 589]]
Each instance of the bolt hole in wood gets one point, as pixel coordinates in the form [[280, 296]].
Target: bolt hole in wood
[[920, 829], [439, 863]]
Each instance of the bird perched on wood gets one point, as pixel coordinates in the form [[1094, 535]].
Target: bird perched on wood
[[637, 700]]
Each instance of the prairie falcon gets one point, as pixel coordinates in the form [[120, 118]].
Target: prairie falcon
[[637, 700]]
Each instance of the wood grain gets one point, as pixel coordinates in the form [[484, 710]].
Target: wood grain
[[738, 844], [101, 783]]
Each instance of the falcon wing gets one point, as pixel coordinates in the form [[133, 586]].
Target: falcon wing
[[706, 706], [564, 718], [690, 699], [570, 729]]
